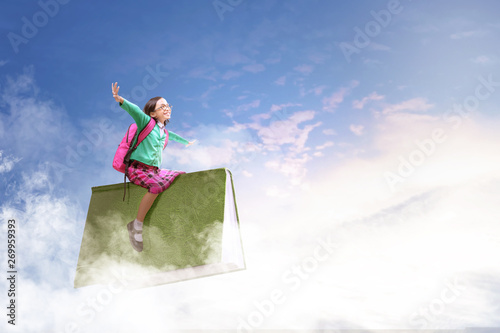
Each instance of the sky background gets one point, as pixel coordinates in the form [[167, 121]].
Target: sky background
[[362, 137]]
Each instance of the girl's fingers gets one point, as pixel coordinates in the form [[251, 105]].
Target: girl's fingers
[[114, 88]]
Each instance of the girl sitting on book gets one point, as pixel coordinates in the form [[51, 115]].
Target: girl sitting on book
[[145, 168]]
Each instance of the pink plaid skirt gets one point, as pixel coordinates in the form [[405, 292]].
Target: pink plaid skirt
[[150, 177]]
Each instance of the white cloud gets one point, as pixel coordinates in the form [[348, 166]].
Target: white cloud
[[283, 137], [325, 145], [465, 153], [3, 62], [252, 105], [286, 131], [348, 223], [247, 173], [276, 107], [359, 104], [331, 103], [281, 81], [412, 240], [318, 90], [357, 129], [386, 252], [7, 162], [293, 168], [236, 127], [415, 104], [318, 154], [49, 124], [260, 116], [329, 131], [275, 191]]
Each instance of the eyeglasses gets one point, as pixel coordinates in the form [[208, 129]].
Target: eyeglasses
[[165, 107]]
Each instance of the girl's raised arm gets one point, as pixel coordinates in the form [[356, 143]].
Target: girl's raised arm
[[115, 89]]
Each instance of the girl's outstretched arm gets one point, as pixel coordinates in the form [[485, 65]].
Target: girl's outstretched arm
[[140, 117], [115, 89], [178, 138]]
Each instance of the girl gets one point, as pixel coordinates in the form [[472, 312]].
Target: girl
[[145, 169]]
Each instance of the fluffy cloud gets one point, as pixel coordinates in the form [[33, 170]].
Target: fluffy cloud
[[329, 131], [354, 250], [286, 131], [205, 156], [48, 123], [8, 162], [245, 107], [280, 81], [433, 235], [415, 104], [325, 145], [331, 103], [357, 129], [372, 97]]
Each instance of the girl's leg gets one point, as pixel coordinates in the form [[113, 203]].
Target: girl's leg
[[135, 227], [145, 205]]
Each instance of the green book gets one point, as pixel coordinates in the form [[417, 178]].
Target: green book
[[191, 231]]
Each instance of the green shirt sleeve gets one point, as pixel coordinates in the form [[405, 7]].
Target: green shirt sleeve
[[176, 138], [140, 118]]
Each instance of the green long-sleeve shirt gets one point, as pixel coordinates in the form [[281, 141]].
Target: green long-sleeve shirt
[[150, 149]]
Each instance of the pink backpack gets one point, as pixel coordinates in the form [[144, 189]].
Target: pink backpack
[[121, 161]]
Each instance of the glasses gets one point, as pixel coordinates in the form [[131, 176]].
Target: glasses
[[165, 107]]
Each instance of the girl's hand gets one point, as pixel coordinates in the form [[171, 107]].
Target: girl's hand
[[190, 143], [115, 89]]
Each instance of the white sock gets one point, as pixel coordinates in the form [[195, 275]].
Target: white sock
[[137, 225]]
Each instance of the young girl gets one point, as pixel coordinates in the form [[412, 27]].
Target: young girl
[[146, 159]]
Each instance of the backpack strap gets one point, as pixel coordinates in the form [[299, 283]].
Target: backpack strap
[[166, 139], [126, 168], [145, 131], [138, 138]]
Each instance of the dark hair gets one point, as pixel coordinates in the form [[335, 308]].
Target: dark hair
[[151, 106]]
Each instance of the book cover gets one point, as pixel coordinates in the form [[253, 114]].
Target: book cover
[[191, 231]]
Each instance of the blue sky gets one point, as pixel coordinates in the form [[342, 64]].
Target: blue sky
[[371, 122]]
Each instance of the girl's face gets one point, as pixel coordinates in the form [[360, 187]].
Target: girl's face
[[162, 111]]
